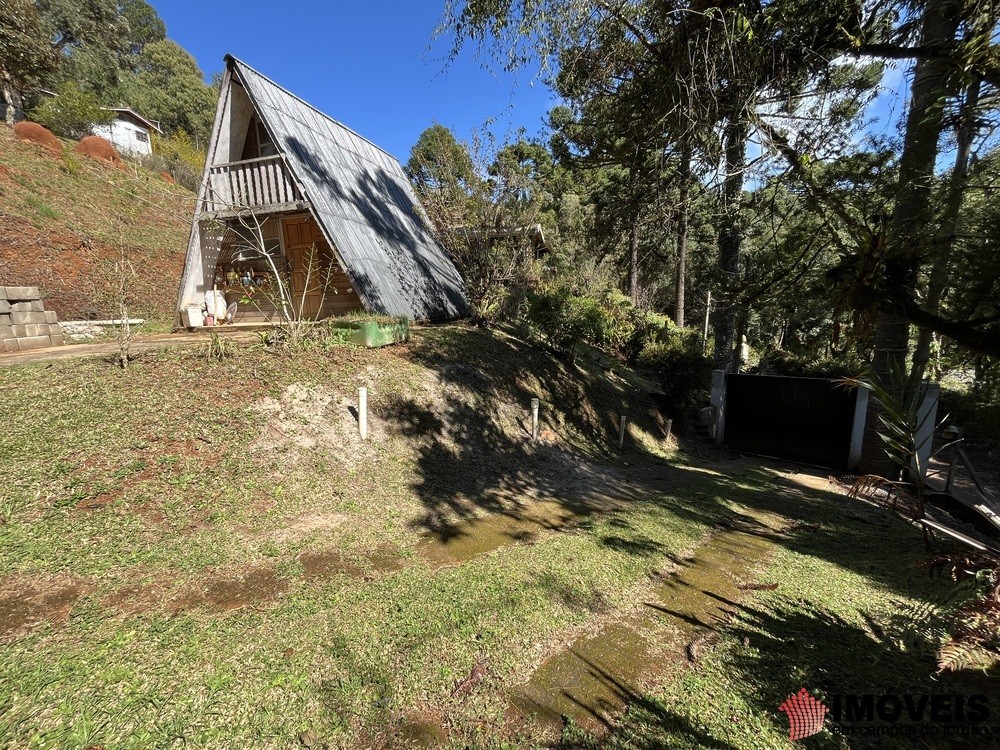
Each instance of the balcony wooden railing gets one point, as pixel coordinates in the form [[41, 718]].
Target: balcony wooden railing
[[255, 183]]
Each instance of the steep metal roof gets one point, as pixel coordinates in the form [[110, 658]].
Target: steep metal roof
[[365, 204]]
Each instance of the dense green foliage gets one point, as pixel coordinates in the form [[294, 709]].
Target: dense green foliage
[[71, 112], [179, 155], [168, 86], [566, 320], [734, 153], [682, 368], [108, 53], [24, 60]]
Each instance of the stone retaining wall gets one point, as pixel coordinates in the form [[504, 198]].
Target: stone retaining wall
[[24, 322]]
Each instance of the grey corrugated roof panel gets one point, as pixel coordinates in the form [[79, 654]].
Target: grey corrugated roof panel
[[365, 204]]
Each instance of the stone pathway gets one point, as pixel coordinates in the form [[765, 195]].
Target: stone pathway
[[595, 678]]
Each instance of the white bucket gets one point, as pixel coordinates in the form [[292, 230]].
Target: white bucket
[[192, 317]]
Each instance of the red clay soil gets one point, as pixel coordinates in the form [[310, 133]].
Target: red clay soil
[[168, 178], [100, 149], [63, 265], [35, 133]]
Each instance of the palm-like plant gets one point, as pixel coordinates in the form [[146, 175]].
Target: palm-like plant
[[902, 429]]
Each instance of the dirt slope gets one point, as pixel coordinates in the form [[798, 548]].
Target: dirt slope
[[63, 219]]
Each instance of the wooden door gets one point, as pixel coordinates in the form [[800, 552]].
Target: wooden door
[[329, 291], [309, 260]]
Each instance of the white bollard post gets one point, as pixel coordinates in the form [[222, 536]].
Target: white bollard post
[[621, 432], [534, 419], [363, 412]]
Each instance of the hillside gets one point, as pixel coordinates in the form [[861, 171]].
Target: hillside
[[64, 218]]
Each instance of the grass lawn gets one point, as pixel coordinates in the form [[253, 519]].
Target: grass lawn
[[203, 553]]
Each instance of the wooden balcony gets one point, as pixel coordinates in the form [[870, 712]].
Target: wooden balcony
[[263, 185]]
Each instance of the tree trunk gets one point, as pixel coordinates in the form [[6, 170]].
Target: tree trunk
[[730, 239], [939, 276], [682, 232], [906, 241], [11, 104], [708, 313], [633, 258], [741, 337]]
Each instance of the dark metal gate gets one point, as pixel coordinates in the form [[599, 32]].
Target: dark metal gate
[[802, 419]]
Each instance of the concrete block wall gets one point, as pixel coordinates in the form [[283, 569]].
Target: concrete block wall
[[25, 324]]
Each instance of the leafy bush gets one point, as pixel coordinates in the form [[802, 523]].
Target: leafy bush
[[619, 325], [177, 154], [684, 372], [647, 328], [565, 320], [964, 627], [779, 362], [71, 163], [72, 112], [978, 416], [43, 208]]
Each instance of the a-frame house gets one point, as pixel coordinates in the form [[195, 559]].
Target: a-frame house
[[337, 215]]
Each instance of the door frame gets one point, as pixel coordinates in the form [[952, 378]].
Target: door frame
[[295, 291]]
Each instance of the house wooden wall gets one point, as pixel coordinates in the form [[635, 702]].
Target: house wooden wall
[[300, 238]]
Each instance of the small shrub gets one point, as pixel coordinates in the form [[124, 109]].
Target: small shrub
[[273, 338], [647, 328], [71, 163], [683, 371], [177, 155], [565, 320], [44, 209], [329, 336], [620, 322], [218, 347], [964, 627]]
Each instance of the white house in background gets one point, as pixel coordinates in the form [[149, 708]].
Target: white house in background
[[129, 131]]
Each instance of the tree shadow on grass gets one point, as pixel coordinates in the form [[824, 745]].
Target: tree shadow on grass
[[650, 723], [474, 459], [773, 650], [776, 645], [793, 644]]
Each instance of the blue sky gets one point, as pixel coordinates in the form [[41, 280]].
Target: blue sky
[[374, 66], [367, 64]]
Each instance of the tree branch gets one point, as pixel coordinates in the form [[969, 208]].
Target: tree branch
[[989, 73], [984, 342], [819, 196]]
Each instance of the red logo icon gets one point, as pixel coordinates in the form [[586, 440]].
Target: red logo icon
[[805, 715]]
